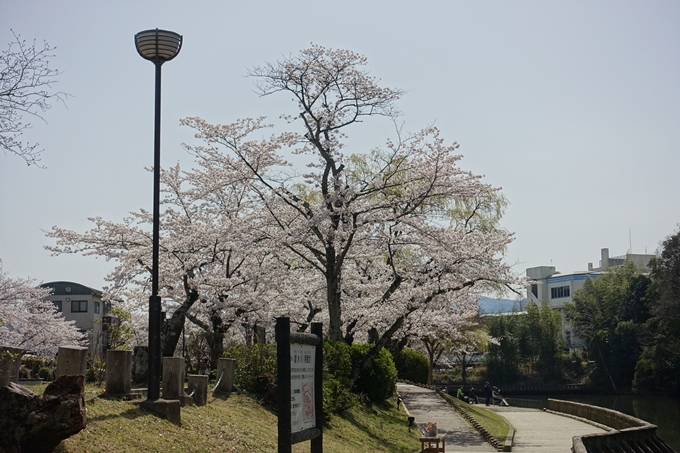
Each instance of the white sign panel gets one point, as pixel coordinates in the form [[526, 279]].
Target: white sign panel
[[302, 411]]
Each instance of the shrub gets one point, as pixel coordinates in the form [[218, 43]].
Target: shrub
[[255, 366], [337, 397], [412, 365], [378, 380], [96, 371], [45, 373], [33, 363]]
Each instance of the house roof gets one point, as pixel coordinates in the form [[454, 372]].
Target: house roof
[[66, 288]]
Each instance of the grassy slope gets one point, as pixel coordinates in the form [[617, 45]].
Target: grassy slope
[[496, 425], [237, 424]]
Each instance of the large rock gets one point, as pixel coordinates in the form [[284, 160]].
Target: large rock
[[31, 423]]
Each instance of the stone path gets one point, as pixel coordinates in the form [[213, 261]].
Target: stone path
[[542, 432], [426, 406]]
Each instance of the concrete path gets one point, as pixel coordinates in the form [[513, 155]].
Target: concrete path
[[542, 432], [426, 406]]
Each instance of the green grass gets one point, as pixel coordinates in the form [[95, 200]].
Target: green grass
[[494, 424], [491, 421], [235, 424]]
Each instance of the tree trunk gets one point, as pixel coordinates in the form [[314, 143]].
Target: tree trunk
[[216, 339], [172, 328], [463, 371], [334, 308], [375, 350]]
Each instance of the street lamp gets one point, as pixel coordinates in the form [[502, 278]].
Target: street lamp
[[157, 46]]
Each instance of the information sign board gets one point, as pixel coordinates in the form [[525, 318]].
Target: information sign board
[[303, 415]]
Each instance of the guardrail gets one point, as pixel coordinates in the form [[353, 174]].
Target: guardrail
[[514, 390], [628, 434]]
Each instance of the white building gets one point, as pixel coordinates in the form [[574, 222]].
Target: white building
[[83, 305], [557, 289]]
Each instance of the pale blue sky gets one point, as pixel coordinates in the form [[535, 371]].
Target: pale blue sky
[[573, 107]]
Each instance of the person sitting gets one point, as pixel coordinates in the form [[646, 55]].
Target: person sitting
[[498, 397], [461, 396], [473, 396]]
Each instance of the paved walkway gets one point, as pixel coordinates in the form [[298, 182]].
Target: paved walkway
[[426, 406], [543, 432], [535, 430]]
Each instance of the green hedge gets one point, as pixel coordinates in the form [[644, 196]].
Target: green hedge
[[255, 366], [337, 397], [412, 365], [378, 381]]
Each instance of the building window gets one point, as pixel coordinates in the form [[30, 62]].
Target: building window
[[78, 306], [96, 307], [534, 290], [560, 291], [57, 303]]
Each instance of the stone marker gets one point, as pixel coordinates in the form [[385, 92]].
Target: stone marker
[[225, 375], [118, 372], [140, 364], [10, 363], [198, 384], [71, 360], [170, 410], [173, 377]]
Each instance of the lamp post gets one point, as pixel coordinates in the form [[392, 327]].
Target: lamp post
[[157, 46]]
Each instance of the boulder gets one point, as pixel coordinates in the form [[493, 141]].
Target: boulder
[[36, 424]]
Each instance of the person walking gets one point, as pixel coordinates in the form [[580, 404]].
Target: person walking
[[487, 392]]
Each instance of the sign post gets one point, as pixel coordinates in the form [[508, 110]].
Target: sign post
[[300, 386]]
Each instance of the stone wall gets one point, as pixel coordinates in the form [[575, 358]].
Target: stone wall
[[609, 417], [629, 434]]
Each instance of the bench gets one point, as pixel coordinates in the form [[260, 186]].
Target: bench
[[433, 444]]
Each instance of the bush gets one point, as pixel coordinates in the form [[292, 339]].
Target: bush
[[337, 397], [255, 366], [96, 371], [655, 373], [378, 381], [45, 374], [33, 363], [412, 365]]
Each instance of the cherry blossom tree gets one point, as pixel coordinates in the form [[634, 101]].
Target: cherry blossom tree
[[210, 267], [382, 228], [29, 321], [26, 80], [362, 241]]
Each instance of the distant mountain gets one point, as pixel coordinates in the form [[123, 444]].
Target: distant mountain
[[490, 305]]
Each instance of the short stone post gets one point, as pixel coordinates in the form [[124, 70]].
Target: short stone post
[[198, 384], [10, 363], [226, 369], [140, 363], [173, 378], [118, 372], [71, 360]]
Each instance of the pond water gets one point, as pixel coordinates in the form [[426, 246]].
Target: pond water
[[662, 411]]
